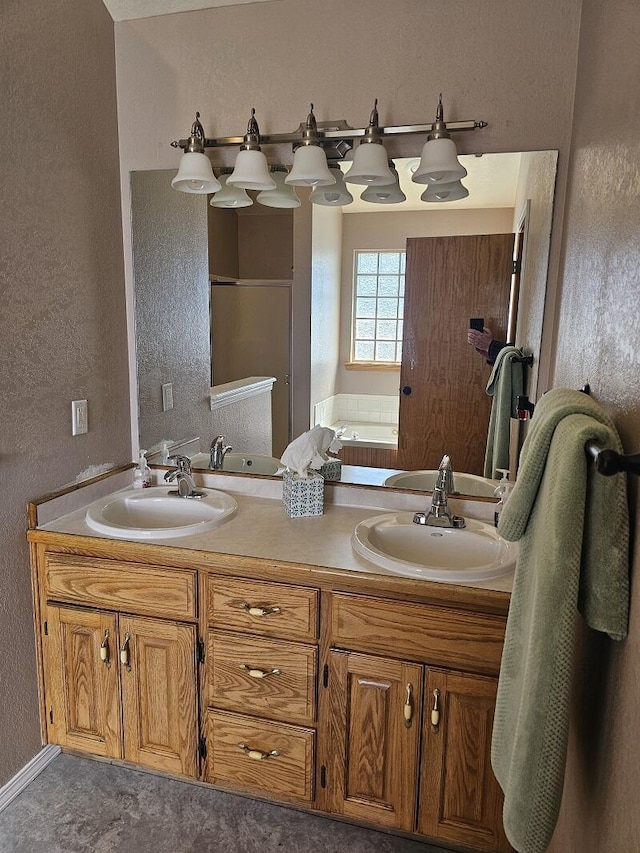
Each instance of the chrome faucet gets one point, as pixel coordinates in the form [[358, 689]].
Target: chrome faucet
[[218, 452], [439, 514], [182, 474]]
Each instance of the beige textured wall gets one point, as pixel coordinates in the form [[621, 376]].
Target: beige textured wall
[[63, 325], [598, 342]]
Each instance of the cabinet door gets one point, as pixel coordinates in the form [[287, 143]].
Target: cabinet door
[[83, 694], [373, 746], [460, 800], [158, 673]]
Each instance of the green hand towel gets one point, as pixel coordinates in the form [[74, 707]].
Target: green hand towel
[[505, 385], [574, 530]]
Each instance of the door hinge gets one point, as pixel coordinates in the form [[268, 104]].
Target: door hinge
[[51, 714], [202, 747], [516, 267], [325, 675], [46, 629], [323, 777], [200, 651]]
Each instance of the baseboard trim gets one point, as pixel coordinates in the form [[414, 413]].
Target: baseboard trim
[[28, 773]]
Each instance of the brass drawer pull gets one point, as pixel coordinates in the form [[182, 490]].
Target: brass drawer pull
[[408, 707], [260, 611], [253, 672], [104, 649], [256, 754], [435, 713], [124, 653]]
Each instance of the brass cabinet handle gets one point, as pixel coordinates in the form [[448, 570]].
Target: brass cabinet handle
[[124, 653], [435, 711], [104, 649], [254, 672], [259, 611], [408, 706], [256, 754]]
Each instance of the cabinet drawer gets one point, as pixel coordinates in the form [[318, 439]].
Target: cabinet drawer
[[230, 739], [270, 609], [270, 678], [421, 632], [129, 587]]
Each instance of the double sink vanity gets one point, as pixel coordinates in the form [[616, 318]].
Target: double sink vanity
[[345, 663]]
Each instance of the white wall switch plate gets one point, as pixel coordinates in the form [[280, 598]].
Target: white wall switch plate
[[167, 396], [79, 417]]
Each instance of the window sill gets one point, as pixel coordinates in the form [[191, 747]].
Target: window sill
[[373, 365]]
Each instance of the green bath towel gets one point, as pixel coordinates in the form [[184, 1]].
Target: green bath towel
[[574, 530], [505, 385]]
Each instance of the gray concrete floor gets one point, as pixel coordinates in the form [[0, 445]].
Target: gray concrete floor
[[81, 806]]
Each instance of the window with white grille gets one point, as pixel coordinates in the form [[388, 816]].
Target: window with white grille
[[378, 301]]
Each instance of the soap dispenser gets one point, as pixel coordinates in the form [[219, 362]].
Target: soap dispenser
[[142, 476], [501, 491]]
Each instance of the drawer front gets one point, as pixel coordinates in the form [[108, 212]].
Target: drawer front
[[131, 588], [269, 609], [235, 745], [270, 678], [421, 632]]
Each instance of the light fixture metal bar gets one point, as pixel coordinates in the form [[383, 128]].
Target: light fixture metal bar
[[333, 130]]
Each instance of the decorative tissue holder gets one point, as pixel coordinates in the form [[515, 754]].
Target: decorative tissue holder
[[332, 470], [300, 497]]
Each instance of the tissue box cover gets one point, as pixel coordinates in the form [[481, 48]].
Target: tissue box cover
[[331, 470], [300, 497]]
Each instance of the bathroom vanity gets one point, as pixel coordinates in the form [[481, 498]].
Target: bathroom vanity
[[265, 657]]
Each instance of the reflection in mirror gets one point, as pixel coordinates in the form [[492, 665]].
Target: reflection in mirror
[[448, 279]]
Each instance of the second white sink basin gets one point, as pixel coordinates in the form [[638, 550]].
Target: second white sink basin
[[392, 541], [424, 481], [155, 514]]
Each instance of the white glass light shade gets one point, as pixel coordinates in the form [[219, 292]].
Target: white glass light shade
[[453, 191], [310, 168], [439, 163], [195, 175], [282, 196], [370, 166], [251, 171], [337, 195], [230, 196], [385, 194]]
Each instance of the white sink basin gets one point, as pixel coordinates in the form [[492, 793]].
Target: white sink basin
[[424, 481], [392, 541], [241, 463], [154, 514]]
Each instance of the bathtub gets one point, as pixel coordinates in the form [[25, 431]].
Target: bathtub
[[367, 434]]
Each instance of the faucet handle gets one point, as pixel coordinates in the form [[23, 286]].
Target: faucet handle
[[218, 441], [182, 463]]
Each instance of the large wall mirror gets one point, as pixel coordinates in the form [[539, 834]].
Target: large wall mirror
[[215, 304]]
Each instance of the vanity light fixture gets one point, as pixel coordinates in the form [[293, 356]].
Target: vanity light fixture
[[230, 197], [387, 193], [370, 162], [251, 171], [453, 191], [439, 162], [337, 195], [195, 174], [310, 167], [282, 196]]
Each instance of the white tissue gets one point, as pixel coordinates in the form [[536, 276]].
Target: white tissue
[[309, 450]]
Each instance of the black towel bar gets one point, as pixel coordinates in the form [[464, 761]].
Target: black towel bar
[[608, 462], [524, 359]]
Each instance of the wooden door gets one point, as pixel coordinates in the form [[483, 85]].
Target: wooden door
[[83, 693], [373, 748], [158, 674], [448, 281], [460, 800]]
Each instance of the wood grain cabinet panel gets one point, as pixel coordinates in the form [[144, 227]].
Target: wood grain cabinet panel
[[114, 585], [271, 758], [268, 609], [373, 770], [270, 678], [460, 800], [158, 673], [83, 691]]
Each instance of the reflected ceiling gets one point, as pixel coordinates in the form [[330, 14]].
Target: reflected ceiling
[[129, 10]]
